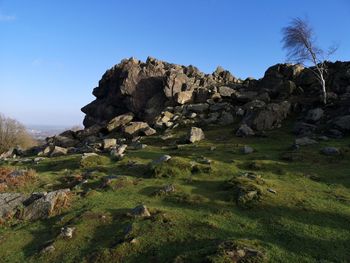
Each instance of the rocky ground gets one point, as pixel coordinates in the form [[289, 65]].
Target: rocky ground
[[174, 165]]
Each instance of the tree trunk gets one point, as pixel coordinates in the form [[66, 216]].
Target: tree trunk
[[324, 92]]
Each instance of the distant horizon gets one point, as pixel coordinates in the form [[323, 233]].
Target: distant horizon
[[54, 53]]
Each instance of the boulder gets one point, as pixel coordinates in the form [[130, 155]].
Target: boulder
[[304, 129], [67, 232], [64, 141], [225, 91], [330, 151], [124, 88], [161, 159], [9, 203], [184, 97], [175, 82], [34, 206], [226, 118], [197, 108], [140, 211], [109, 143], [244, 96], [195, 134], [314, 115], [119, 121], [303, 141], [244, 131], [58, 151], [247, 149], [343, 123], [268, 117], [135, 128], [118, 152], [150, 131], [45, 205], [11, 153]]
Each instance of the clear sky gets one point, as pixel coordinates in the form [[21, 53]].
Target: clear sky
[[53, 53]]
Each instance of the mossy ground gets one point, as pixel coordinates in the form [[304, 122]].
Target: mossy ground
[[306, 220]]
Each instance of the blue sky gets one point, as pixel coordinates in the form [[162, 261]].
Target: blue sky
[[53, 53]]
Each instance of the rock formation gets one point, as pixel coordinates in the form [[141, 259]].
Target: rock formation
[[164, 95], [137, 98]]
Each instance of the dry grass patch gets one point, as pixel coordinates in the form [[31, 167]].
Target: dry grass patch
[[11, 178]]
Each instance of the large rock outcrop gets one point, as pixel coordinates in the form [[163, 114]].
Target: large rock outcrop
[[145, 88]]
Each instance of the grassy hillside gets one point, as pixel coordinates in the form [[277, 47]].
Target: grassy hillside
[[301, 212]]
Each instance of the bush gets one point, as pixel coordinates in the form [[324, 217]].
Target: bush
[[94, 161], [13, 134], [175, 167]]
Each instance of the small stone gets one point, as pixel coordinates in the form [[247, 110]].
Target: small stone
[[118, 153], [330, 151], [67, 232], [47, 249], [244, 131], [247, 149], [195, 135], [303, 141], [162, 159], [271, 190], [140, 211], [314, 115], [58, 151], [109, 143], [38, 159], [134, 241]]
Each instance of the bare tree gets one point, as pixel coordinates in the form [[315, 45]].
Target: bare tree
[[300, 42], [12, 134]]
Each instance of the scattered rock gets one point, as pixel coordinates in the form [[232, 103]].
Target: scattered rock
[[109, 143], [119, 121], [67, 232], [195, 135], [48, 249], [343, 123], [118, 152], [247, 149], [38, 159], [45, 205], [34, 206], [140, 211], [271, 190], [268, 117], [303, 141], [86, 155], [314, 115], [161, 159], [58, 151], [166, 190], [9, 203], [330, 151], [136, 128], [184, 97], [244, 131], [226, 91]]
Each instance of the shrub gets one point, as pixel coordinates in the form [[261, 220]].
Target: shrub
[[175, 167], [94, 161], [13, 134]]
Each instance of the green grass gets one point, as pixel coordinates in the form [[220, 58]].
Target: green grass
[[307, 220]]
